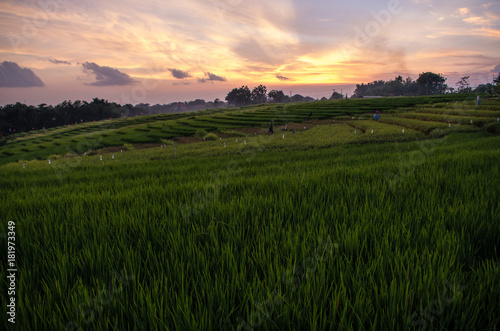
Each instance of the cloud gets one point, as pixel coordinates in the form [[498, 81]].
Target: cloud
[[106, 76], [179, 74], [211, 78], [463, 11], [12, 75], [496, 70], [59, 61], [282, 78]]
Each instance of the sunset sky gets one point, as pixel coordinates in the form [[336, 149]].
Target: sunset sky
[[156, 51]]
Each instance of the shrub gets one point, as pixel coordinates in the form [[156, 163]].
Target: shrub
[[129, 147], [211, 136], [200, 133], [437, 133]]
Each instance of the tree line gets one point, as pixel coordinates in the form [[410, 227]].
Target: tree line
[[428, 83], [243, 96], [19, 117]]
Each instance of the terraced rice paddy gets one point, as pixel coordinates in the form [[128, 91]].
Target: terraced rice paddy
[[325, 225]]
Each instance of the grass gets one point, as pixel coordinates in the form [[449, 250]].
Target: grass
[[321, 229]]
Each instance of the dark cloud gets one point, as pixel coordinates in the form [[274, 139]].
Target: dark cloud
[[211, 77], [59, 61], [12, 75], [282, 78], [106, 76], [496, 69], [179, 74]]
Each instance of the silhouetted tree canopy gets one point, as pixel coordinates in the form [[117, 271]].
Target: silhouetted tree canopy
[[427, 83], [278, 96], [16, 118], [431, 83], [239, 96], [259, 94]]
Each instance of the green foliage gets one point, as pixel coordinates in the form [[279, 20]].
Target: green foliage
[[5, 139], [259, 94], [428, 83], [129, 147], [152, 129], [330, 227], [431, 83], [211, 137], [278, 96], [239, 96], [387, 236], [200, 133]]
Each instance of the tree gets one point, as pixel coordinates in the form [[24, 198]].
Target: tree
[[336, 95], [5, 139], [374, 88], [463, 85], [484, 88], [259, 94], [297, 98], [239, 96], [394, 87], [431, 83], [217, 103], [497, 82], [278, 96]]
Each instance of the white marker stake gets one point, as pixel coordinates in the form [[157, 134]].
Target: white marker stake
[[449, 125], [355, 131], [372, 130], [113, 156], [100, 157], [283, 136], [121, 150], [470, 121], [403, 130], [498, 119], [24, 165], [49, 161]]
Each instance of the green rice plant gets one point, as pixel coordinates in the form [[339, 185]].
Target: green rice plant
[[248, 242]]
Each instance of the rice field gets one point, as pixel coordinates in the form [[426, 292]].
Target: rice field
[[322, 226]]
